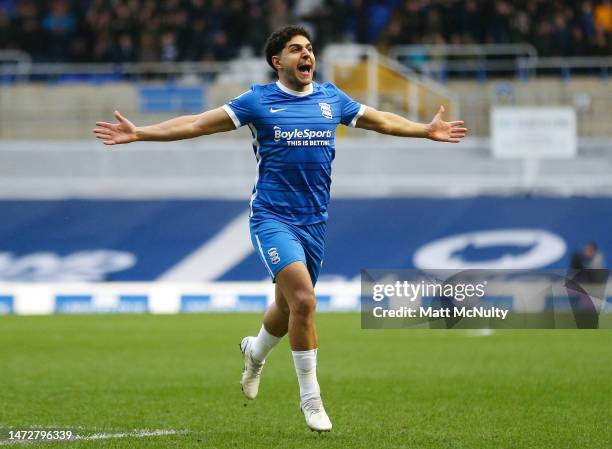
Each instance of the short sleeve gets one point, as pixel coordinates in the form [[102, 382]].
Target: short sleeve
[[351, 110], [240, 109]]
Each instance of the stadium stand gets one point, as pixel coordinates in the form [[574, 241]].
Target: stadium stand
[[214, 30], [556, 28]]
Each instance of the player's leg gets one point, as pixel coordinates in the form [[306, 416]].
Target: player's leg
[[276, 319], [297, 287], [277, 246], [286, 251], [297, 281], [255, 350]]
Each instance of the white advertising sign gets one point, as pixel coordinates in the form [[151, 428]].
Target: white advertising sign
[[533, 132]]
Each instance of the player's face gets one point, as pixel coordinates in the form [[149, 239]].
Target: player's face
[[297, 62]]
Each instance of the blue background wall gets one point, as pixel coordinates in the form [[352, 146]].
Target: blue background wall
[[372, 233]]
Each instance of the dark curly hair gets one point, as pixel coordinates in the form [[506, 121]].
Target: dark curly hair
[[277, 40]]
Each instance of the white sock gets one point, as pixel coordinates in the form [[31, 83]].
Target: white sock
[[263, 344], [306, 368]]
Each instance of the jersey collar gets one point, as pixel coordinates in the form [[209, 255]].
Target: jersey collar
[[285, 89]]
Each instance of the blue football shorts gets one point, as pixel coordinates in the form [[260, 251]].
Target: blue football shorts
[[279, 244]]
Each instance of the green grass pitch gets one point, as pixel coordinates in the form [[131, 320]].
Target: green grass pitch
[[382, 389]]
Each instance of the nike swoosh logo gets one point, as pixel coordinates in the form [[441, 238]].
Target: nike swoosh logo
[[273, 110]]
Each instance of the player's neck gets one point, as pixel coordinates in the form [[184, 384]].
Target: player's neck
[[304, 90]]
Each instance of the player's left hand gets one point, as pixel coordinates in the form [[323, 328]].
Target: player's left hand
[[442, 131]]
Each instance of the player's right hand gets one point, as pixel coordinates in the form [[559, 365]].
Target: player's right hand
[[112, 134]]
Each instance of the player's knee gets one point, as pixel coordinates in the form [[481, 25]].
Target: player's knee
[[304, 303]]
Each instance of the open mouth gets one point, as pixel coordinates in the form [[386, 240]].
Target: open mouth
[[305, 69]]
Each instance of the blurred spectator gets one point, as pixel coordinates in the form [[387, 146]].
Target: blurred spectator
[[590, 264], [255, 34], [544, 40], [356, 21], [197, 41], [586, 281], [27, 26], [593, 257], [590, 258], [125, 50], [578, 44], [470, 22], [103, 47], [277, 13], [603, 15], [499, 23], [221, 49], [169, 50], [60, 25], [554, 27], [520, 27], [587, 20], [6, 32], [7, 7], [148, 48]]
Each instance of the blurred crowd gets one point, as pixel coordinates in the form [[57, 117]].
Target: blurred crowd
[[207, 30], [553, 27]]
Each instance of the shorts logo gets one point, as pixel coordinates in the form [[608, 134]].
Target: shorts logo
[[326, 110], [274, 257]]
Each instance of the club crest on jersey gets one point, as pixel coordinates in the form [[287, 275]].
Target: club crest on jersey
[[326, 110]]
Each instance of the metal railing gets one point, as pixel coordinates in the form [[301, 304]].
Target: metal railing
[[483, 61], [437, 62], [489, 52], [27, 71], [19, 62], [442, 61], [565, 67]]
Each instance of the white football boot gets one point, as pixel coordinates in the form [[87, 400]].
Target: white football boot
[[316, 417], [252, 369]]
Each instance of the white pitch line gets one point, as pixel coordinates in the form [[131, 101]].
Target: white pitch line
[[134, 433], [481, 332], [105, 436]]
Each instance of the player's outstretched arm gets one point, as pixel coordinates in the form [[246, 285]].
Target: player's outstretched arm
[[184, 127], [395, 125]]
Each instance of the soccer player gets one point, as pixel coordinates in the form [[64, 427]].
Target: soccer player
[[293, 123]]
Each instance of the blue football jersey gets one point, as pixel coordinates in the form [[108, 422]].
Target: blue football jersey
[[293, 140]]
